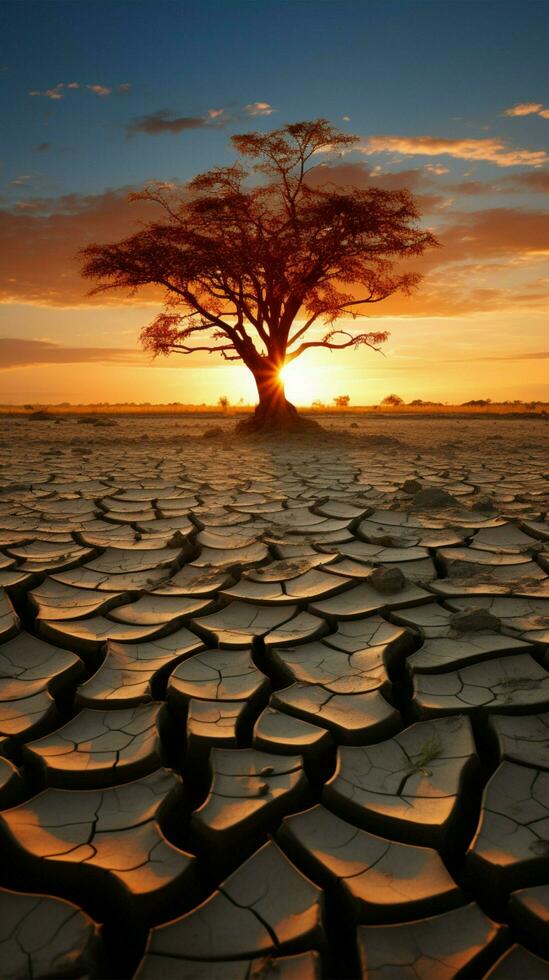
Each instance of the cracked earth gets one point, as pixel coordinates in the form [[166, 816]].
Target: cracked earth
[[274, 712]]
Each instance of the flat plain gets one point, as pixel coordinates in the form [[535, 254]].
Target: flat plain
[[274, 710]]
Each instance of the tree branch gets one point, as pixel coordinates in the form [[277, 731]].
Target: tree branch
[[361, 340]]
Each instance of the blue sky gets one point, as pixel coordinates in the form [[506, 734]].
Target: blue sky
[[394, 67], [104, 96]]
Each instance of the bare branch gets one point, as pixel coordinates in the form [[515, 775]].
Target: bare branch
[[360, 340]]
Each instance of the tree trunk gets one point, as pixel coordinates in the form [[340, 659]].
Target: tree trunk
[[273, 411]]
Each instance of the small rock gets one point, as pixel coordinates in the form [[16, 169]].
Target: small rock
[[384, 539], [434, 497], [411, 486], [353, 425], [213, 433], [387, 580], [474, 620]]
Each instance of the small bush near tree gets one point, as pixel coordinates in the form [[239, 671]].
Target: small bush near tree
[[392, 400], [342, 401]]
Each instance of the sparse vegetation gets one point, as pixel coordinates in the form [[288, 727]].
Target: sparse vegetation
[[179, 408], [393, 401], [428, 752], [342, 401]]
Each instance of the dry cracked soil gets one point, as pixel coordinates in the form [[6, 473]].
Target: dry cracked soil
[[274, 711]]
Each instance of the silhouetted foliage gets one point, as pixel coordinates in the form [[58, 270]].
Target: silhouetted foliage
[[392, 400], [223, 402], [342, 401], [241, 259], [478, 402], [419, 402]]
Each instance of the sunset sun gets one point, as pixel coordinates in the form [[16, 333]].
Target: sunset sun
[[299, 382]]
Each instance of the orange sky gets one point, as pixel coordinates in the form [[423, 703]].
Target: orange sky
[[476, 327]]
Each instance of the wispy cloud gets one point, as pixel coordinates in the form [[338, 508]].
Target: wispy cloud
[[534, 356], [259, 109], [436, 168], [489, 150], [17, 353], [56, 228], [59, 91], [527, 109], [164, 121], [99, 89], [456, 274], [55, 93], [535, 181]]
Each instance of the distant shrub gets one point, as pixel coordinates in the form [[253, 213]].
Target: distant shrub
[[223, 402], [392, 400], [419, 402], [477, 403], [342, 401]]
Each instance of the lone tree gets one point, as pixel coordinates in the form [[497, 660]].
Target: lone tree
[[254, 265]]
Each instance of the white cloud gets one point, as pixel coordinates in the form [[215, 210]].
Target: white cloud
[[489, 150], [215, 113], [259, 109], [436, 168], [50, 93], [524, 109], [99, 89], [73, 85]]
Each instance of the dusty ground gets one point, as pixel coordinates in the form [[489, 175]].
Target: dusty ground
[[274, 711]]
